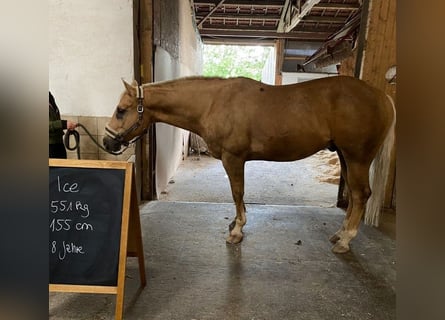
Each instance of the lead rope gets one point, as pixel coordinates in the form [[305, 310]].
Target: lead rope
[[75, 134]]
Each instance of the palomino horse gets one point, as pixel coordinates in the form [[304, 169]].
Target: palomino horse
[[241, 119]]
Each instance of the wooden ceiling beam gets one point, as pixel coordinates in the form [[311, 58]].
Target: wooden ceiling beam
[[299, 15], [285, 15], [325, 19], [337, 6], [244, 16], [221, 27], [239, 41], [210, 13], [310, 36], [244, 3]]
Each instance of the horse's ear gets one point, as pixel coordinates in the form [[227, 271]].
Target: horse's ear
[[130, 89]]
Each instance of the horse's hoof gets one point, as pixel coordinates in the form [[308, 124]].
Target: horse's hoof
[[340, 248], [234, 239], [334, 238], [232, 225]]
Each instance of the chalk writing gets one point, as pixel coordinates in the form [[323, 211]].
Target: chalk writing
[[66, 187], [57, 225], [63, 249], [60, 224], [70, 206]]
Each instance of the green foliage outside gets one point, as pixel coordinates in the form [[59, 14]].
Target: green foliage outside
[[233, 61]]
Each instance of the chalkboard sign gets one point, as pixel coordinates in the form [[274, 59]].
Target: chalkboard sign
[[85, 216], [94, 226]]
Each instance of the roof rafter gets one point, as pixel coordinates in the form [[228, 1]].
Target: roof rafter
[[295, 19], [210, 13]]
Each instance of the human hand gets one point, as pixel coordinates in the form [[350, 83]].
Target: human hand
[[71, 125]]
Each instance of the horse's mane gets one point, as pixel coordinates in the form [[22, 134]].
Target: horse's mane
[[190, 78]]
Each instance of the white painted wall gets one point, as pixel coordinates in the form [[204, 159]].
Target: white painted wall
[[297, 77], [171, 142], [168, 138], [190, 45], [90, 50]]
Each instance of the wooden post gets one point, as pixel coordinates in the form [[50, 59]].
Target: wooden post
[[145, 68], [279, 57]]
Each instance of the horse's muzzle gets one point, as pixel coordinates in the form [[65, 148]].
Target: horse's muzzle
[[111, 144]]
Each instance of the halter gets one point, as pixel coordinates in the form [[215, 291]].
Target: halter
[[140, 109]]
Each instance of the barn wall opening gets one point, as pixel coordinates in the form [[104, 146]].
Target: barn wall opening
[[201, 178]]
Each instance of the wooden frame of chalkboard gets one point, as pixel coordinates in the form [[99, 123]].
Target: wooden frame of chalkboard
[[94, 226]]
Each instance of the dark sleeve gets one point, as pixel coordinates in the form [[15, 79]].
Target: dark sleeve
[[52, 100], [57, 125]]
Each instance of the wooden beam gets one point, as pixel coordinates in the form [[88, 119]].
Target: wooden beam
[[240, 41], [279, 54], [256, 28], [361, 39], [210, 13], [337, 6], [147, 146], [243, 16], [284, 13], [240, 28], [324, 19], [308, 5], [318, 36], [244, 3]]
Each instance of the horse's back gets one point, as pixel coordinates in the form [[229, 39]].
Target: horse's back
[[290, 122]]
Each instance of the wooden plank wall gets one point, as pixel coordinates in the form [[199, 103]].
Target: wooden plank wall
[[380, 47], [379, 56]]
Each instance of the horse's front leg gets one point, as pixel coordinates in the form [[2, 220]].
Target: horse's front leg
[[234, 167]]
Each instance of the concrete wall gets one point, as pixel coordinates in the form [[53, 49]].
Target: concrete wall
[[90, 49]]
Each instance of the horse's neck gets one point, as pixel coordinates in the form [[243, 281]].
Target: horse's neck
[[181, 105]]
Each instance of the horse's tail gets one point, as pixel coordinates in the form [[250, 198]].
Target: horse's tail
[[379, 172]]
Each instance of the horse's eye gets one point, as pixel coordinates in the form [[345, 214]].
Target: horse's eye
[[120, 113]]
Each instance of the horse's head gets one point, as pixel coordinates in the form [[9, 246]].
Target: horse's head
[[128, 122]]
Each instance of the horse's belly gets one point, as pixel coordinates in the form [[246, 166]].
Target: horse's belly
[[286, 149]]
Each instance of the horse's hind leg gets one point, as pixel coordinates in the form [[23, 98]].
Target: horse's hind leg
[[234, 167], [358, 183], [344, 172]]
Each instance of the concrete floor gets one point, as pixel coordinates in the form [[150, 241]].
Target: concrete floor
[[283, 269], [203, 179]]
